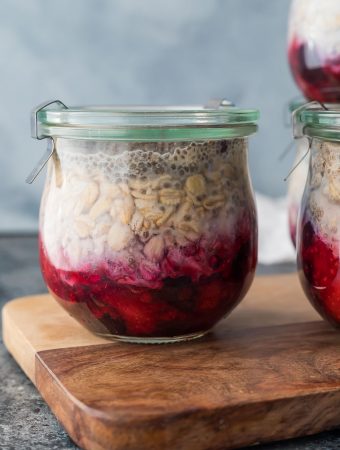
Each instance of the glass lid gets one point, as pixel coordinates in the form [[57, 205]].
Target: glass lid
[[145, 123], [319, 120]]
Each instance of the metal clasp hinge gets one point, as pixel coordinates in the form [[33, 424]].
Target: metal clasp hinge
[[34, 132], [298, 129]]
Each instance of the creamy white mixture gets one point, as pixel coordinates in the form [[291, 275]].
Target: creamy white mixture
[[104, 198], [318, 22], [324, 183]]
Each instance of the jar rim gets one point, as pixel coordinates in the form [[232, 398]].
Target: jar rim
[[319, 120], [144, 123]]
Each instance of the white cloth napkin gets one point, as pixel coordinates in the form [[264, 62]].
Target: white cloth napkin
[[275, 245]]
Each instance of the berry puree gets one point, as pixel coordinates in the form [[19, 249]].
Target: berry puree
[[318, 261], [317, 76], [187, 292]]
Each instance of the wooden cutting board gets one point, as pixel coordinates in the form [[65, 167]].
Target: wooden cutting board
[[270, 371]]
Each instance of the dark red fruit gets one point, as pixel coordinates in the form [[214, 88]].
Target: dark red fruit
[[188, 291], [318, 261], [317, 77]]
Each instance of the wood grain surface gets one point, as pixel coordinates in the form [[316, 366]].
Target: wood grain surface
[[271, 371], [35, 323], [229, 390]]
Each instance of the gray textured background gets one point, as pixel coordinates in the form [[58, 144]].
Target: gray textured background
[[138, 51]]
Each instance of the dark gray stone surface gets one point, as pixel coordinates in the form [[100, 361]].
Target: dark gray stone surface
[[25, 420]]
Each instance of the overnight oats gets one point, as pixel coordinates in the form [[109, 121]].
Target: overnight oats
[[319, 227], [314, 48], [148, 229]]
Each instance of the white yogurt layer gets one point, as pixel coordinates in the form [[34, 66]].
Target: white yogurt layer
[[317, 22], [104, 198], [324, 184]]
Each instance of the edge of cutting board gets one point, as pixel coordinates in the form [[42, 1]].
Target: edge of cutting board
[[269, 371]]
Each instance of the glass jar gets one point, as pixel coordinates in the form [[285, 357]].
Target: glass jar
[[148, 229], [297, 179], [314, 48], [319, 231]]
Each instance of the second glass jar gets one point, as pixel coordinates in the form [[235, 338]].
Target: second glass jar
[[319, 231]]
